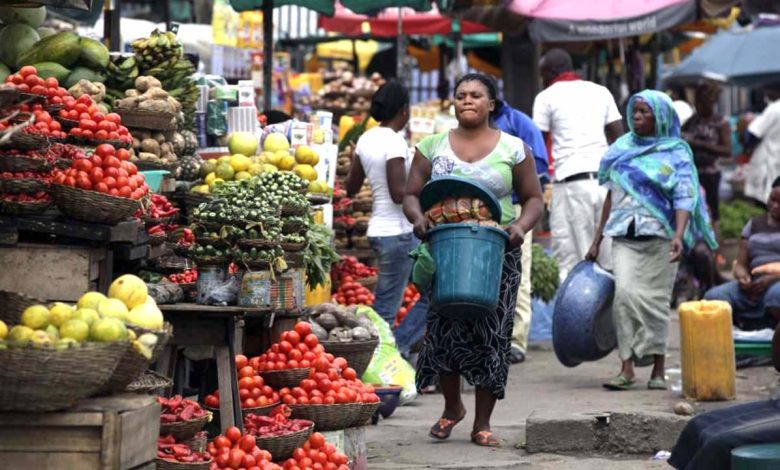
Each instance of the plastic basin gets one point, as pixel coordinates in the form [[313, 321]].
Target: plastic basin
[[756, 457], [390, 396], [583, 329], [469, 259], [154, 178]]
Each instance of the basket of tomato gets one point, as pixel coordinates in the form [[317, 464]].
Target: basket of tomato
[[182, 418], [24, 204], [104, 188], [175, 455], [237, 450], [278, 433], [317, 453]]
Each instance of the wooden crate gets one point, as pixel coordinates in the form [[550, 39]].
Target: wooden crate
[[51, 272], [108, 433]]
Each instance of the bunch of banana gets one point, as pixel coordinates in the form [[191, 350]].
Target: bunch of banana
[[188, 95], [156, 49], [122, 72]]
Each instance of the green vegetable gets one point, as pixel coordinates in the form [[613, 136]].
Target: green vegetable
[[544, 274], [319, 255], [733, 217]]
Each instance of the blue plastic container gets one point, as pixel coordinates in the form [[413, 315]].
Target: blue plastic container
[[469, 259], [154, 178], [756, 457]]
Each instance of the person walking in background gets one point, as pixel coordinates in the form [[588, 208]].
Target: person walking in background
[[763, 146], [477, 350], [519, 124], [383, 156], [653, 193], [582, 119]]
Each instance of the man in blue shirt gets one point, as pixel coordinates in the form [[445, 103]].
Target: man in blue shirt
[[518, 124]]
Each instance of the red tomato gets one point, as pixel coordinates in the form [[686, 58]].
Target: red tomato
[[52, 82], [311, 341], [85, 100], [121, 181], [113, 192], [70, 181], [303, 328], [293, 338], [111, 162], [246, 443], [27, 70], [83, 182], [83, 164], [236, 457], [110, 182], [249, 402], [111, 171], [88, 125], [96, 175], [285, 347], [321, 364], [123, 155], [233, 433], [317, 440], [246, 383], [248, 461], [259, 382], [105, 150], [211, 400], [349, 373], [222, 442], [101, 135], [97, 162], [125, 191], [113, 117]]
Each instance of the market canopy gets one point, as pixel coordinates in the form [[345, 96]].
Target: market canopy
[[385, 23], [743, 56], [328, 7]]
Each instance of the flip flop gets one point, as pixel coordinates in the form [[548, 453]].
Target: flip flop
[[485, 439], [656, 383], [620, 382], [443, 427]]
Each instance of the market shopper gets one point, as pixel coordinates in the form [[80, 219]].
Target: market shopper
[[755, 294], [517, 123], [653, 194], [763, 146], [477, 350], [582, 119], [383, 156]]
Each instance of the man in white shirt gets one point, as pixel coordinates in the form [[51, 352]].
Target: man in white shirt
[[582, 119], [763, 145]]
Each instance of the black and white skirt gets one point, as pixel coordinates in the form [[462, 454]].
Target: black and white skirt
[[477, 350]]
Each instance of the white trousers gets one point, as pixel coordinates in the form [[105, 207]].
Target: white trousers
[[523, 306], [574, 216]]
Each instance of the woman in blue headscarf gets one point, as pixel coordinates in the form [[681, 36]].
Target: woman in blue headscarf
[[654, 211]]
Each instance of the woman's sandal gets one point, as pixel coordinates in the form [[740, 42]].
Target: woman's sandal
[[485, 439], [443, 427], [656, 383], [620, 382]]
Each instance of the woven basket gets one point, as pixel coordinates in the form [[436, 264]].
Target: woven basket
[[365, 413], [62, 163], [362, 206], [212, 261], [145, 119], [368, 282], [33, 380], [157, 239], [257, 243], [22, 186], [293, 247], [163, 464], [215, 242], [318, 199], [357, 353], [21, 164], [293, 226], [24, 141], [294, 260], [13, 304], [23, 208], [130, 367], [184, 430], [163, 337], [67, 124], [80, 141], [292, 211], [92, 206], [278, 379], [282, 447], [149, 382], [198, 442], [192, 200], [328, 417]]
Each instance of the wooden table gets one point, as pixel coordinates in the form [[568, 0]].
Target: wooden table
[[220, 327]]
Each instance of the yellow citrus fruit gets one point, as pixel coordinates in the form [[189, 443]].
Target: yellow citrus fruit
[[36, 317]]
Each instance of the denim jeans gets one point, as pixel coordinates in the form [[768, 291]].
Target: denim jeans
[[744, 307], [395, 268]]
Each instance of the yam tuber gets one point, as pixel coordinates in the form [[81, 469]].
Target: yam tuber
[[142, 84]]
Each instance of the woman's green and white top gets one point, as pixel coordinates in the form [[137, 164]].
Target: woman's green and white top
[[494, 171]]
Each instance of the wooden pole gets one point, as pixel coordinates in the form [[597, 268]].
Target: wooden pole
[[268, 52]]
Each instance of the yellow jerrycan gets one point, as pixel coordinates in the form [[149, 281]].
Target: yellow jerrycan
[[707, 346]]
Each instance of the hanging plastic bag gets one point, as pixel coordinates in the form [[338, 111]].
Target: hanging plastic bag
[[424, 267]]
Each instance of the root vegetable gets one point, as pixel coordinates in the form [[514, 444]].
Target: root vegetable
[[143, 84], [150, 146]]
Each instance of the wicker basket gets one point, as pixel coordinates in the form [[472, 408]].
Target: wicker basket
[[13, 304], [257, 243], [149, 382], [130, 367], [23, 141], [82, 142], [33, 380], [368, 282], [365, 413], [293, 226], [23, 208], [22, 186], [22, 164], [163, 336], [293, 211], [163, 464], [357, 353], [157, 239], [318, 199], [198, 442], [328, 417], [67, 124], [293, 247], [145, 119], [92, 206], [184, 430], [362, 206], [282, 447], [278, 379]]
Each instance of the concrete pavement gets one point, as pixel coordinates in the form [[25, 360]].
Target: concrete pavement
[[626, 428]]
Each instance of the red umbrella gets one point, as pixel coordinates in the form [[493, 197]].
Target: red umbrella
[[386, 23]]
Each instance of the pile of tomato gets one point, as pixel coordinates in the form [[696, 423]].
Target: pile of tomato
[[236, 450], [93, 123], [350, 293], [27, 175], [45, 125], [349, 266], [252, 390], [297, 348], [277, 423], [185, 277], [108, 171], [316, 453], [40, 196], [28, 81], [411, 296]]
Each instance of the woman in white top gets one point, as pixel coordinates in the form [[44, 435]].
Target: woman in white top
[[383, 156]]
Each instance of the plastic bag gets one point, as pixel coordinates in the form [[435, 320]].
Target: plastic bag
[[387, 366], [215, 287], [424, 267], [165, 292]]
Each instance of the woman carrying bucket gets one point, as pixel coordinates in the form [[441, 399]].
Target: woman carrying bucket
[[653, 193], [477, 349]]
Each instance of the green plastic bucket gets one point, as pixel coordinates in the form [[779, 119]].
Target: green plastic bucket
[[469, 259], [756, 457], [154, 178]]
